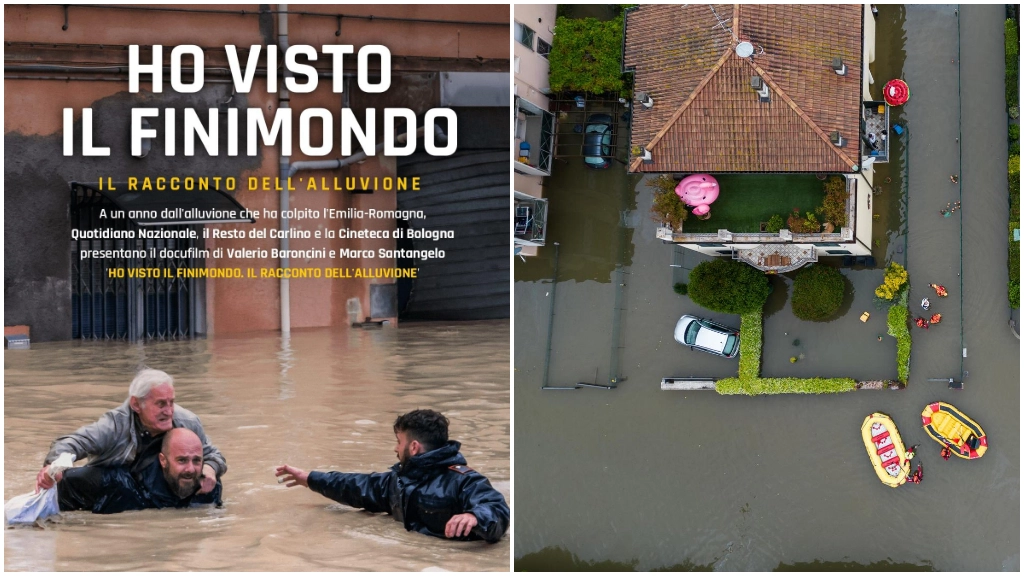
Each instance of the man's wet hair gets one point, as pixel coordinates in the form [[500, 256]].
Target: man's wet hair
[[425, 426]]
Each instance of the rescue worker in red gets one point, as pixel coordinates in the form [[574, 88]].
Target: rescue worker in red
[[917, 476]]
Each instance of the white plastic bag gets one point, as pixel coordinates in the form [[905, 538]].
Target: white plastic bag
[[28, 508]]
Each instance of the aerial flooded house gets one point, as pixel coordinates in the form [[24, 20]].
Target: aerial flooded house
[[771, 102]]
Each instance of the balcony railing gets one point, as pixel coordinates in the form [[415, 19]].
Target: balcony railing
[[530, 220], [845, 234], [875, 119], [535, 139]]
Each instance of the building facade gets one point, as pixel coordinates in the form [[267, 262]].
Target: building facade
[[533, 146]]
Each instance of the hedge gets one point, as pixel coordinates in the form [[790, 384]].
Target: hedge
[[750, 344], [898, 328], [1013, 286], [1013, 258], [1012, 63], [756, 386], [750, 384]]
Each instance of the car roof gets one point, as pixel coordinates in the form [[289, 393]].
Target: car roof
[[711, 339]]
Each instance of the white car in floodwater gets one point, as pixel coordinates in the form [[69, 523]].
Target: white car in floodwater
[[707, 336]]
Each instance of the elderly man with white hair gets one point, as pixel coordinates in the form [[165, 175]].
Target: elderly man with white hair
[[131, 434]]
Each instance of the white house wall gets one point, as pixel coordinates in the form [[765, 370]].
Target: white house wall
[[865, 221], [532, 76], [869, 52]]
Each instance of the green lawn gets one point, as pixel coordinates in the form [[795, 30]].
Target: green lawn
[[746, 200]]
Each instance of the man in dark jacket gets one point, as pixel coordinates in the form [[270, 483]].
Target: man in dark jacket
[[172, 481], [430, 490]]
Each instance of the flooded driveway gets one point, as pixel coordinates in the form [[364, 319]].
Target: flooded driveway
[[326, 401], [637, 478]]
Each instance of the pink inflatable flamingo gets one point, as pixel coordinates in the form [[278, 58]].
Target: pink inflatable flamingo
[[699, 191]]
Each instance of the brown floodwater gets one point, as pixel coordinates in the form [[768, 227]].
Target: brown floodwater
[[325, 400]]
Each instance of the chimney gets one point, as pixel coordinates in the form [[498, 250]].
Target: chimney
[[761, 87], [645, 99], [837, 139], [647, 158], [838, 66]]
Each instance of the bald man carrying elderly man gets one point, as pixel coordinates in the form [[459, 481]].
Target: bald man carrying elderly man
[[146, 453]]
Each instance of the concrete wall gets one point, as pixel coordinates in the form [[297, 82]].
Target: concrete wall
[[36, 174]]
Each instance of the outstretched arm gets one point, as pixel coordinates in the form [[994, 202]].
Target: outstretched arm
[[366, 491]]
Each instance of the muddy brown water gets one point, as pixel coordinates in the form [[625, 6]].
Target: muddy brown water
[[637, 478], [327, 401]]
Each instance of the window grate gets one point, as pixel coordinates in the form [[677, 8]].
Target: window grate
[[107, 306], [524, 35], [543, 48]]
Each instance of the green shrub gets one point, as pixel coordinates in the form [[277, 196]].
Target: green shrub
[[817, 292], [807, 225], [750, 344], [833, 206], [758, 386], [896, 323], [1012, 62], [667, 208], [895, 279], [1014, 139], [680, 288], [775, 223], [586, 56], [728, 286]]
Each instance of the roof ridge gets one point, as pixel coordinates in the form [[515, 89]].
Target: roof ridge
[[686, 103], [801, 114]]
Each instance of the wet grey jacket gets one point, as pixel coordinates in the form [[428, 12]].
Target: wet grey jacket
[[112, 441]]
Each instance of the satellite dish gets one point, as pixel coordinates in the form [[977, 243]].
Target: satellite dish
[[744, 49]]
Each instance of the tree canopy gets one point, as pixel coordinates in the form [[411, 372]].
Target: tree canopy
[[728, 286], [817, 292]]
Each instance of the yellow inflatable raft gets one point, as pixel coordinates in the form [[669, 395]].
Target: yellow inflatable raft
[[885, 449], [948, 426]]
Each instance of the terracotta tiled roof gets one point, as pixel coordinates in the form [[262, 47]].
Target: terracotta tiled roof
[[707, 118]]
